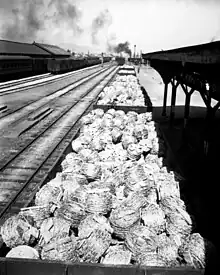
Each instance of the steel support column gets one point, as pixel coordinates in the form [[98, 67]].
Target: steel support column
[[173, 100], [187, 106], [186, 110], [208, 128], [165, 99]]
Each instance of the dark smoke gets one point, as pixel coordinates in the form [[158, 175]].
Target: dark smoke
[[103, 19], [26, 18], [120, 48], [65, 12]]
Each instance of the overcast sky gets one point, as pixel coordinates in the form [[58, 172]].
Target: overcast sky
[[150, 24]]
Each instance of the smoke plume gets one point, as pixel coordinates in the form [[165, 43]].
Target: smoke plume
[[67, 12], [22, 20], [120, 48], [104, 19]]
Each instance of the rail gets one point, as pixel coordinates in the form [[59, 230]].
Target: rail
[[40, 154]]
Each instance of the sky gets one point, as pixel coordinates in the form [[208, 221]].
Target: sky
[[93, 25]]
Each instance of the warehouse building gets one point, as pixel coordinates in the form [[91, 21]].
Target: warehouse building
[[53, 50], [35, 50], [11, 48]]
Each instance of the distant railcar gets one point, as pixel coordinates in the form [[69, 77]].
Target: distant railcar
[[93, 60], [11, 65], [39, 65], [107, 59], [59, 65], [135, 61], [120, 60], [25, 65], [68, 64]]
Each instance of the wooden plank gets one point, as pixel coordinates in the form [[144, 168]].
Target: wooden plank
[[100, 269], [137, 109], [2, 265]]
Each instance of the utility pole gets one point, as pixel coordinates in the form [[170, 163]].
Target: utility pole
[[102, 59]]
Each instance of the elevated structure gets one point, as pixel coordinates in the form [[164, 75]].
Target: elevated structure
[[195, 68]]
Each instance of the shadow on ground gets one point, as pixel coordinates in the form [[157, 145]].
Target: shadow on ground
[[185, 156]]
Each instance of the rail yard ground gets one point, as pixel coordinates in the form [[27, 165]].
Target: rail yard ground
[[17, 128], [152, 82], [184, 155]]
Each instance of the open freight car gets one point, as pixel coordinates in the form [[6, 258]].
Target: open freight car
[[10, 266], [120, 60]]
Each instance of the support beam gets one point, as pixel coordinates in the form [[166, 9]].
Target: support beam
[[216, 106], [186, 110], [208, 129], [173, 101], [184, 87], [165, 99], [187, 106]]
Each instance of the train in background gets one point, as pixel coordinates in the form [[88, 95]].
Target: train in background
[[135, 60], [25, 65], [68, 64], [122, 60]]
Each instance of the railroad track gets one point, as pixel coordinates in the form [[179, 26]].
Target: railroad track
[[21, 80], [42, 147], [39, 81], [32, 104]]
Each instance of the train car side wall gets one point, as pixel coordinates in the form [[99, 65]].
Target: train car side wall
[[39, 65]]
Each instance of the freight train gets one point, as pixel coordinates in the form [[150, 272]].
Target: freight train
[[25, 65]]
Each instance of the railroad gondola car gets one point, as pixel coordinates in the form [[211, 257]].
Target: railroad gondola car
[[14, 65], [120, 60]]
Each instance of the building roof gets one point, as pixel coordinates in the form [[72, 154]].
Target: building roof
[[52, 49], [208, 53], [196, 48], [18, 48]]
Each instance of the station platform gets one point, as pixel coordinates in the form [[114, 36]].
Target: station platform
[[186, 147], [185, 150]]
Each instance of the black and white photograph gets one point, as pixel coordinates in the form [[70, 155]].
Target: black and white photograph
[[109, 137]]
